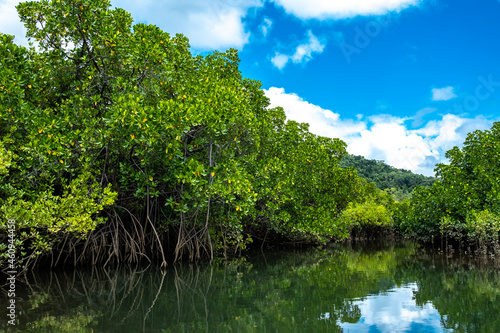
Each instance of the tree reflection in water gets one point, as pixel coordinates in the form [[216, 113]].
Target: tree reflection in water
[[313, 290]]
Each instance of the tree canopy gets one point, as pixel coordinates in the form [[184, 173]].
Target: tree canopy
[[115, 142]]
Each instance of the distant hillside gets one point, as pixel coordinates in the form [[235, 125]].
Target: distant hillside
[[402, 182]]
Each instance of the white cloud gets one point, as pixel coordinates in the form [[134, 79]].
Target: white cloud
[[388, 139], [279, 60], [209, 25], [444, 131], [384, 137], [215, 24], [10, 23], [321, 121], [443, 94], [303, 52], [325, 9], [266, 26]]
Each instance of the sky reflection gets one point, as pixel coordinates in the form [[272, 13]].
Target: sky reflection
[[395, 311]]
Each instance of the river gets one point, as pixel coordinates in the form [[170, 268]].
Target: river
[[362, 287]]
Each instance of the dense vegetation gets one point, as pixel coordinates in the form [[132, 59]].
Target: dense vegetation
[[460, 207], [399, 182], [117, 144], [464, 204]]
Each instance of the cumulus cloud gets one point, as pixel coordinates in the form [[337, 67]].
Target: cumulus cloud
[[216, 24], [303, 52], [443, 94], [326, 9], [388, 139], [321, 121], [10, 23], [384, 137], [444, 131]]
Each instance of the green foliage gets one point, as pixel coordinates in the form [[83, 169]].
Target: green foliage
[[109, 121], [483, 225], [400, 213], [302, 189], [366, 215], [371, 213], [72, 211], [5, 159], [398, 181], [466, 199]]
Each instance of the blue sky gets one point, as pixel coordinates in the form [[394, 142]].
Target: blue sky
[[398, 80]]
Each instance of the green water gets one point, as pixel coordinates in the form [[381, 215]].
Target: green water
[[363, 288]]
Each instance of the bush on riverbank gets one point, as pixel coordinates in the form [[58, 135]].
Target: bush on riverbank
[[371, 215]]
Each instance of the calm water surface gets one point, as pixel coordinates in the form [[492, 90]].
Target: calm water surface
[[350, 288]]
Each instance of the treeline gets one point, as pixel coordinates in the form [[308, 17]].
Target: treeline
[[118, 145], [399, 182]]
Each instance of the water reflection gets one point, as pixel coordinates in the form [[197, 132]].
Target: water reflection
[[389, 287], [395, 311]]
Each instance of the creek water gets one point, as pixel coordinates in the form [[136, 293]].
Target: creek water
[[361, 287]]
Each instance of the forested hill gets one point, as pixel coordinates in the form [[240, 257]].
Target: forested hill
[[386, 177]]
